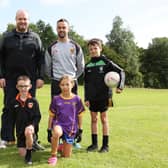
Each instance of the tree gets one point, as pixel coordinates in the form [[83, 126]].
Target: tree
[[46, 33], [122, 41], [155, 64], [10, 27]]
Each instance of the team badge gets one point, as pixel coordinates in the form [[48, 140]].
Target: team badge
[[72, 51], [30, 105], [101, 69]]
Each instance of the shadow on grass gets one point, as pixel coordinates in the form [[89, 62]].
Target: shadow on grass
[[10, 157]]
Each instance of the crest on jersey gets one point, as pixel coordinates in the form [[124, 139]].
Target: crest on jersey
[[72, 50]]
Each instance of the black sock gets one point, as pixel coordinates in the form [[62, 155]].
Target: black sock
[[28, 153], [94, 139], [105, 140]]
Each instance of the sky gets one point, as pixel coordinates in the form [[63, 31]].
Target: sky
[[146, 19]]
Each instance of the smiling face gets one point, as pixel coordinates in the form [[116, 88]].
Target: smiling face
[[22, 21], [23, 86], [66, 85], [94, 50], [62, 30]]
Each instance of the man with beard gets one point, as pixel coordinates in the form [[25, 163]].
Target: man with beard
[[21, 53], [64, 56]]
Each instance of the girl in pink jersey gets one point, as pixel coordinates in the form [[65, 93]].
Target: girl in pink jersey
[[65, 119]]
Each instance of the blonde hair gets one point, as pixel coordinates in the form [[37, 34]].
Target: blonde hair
[[68, 77]]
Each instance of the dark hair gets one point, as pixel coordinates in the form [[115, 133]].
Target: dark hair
[[23, 77], [95, 41], [63, 20]]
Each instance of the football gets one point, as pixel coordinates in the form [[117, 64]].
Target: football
[[111, 79]]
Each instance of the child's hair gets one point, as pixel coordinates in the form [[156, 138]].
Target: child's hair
[[67, 77], [95, 41], [24, 78]]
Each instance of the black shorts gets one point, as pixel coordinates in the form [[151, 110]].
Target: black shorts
[[99, 105], [21, 141]]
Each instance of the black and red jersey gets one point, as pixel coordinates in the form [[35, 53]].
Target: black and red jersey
[[25, 113]]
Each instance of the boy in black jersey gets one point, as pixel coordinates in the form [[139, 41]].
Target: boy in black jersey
[[97, 93], [25, 110]]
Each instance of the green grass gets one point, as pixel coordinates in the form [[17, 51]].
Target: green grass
[[138, 134]]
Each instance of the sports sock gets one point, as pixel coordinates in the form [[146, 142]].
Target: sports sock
[[105, 140], [94, 139], [28, 152]]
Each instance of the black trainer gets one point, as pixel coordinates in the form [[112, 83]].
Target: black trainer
[[37, 146], [92, 148], [104, 149]]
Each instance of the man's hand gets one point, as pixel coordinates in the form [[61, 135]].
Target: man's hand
[[39, 83], [2, 83]]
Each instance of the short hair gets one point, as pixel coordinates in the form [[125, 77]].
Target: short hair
[[63, 20], [95, 41], [24, 78]]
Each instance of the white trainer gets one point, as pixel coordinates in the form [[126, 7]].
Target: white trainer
[[2, 144]]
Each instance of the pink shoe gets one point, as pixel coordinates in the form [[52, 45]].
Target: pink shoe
[[52, 160]]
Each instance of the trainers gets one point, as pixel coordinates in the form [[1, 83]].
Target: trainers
[[77, 145], [11, 143], [92, 148], [3, 144], [37, 146], [104, 149], [52, 160]]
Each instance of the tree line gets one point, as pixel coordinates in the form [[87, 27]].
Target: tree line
[[144, 67]]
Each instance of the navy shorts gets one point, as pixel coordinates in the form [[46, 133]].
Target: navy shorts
[[99, 105], [67, 139]]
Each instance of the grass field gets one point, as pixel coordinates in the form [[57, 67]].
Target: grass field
[[138, 134]]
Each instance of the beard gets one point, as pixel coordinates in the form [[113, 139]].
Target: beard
[[22, 28], [61, 34]]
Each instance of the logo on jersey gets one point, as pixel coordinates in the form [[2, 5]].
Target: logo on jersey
[[101, 69], [72, 51]]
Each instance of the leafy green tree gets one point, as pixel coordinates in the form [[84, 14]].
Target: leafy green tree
[[79, 39], [122, 41], [46, 33], [10, 27], [155, 63]]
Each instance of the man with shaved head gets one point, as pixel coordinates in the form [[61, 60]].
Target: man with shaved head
[[21, 53]]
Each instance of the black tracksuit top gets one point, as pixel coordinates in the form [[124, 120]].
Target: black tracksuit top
[[21, 54], [25, 113], [95, 70]]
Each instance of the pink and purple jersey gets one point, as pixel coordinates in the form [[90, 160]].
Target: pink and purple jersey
[[66, 112]]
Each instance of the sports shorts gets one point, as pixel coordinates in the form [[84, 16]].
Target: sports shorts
[[67, 139], [98, 105]]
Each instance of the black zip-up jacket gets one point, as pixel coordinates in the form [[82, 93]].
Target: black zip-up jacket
[[25, 113], [95, 70], [21, 54]]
